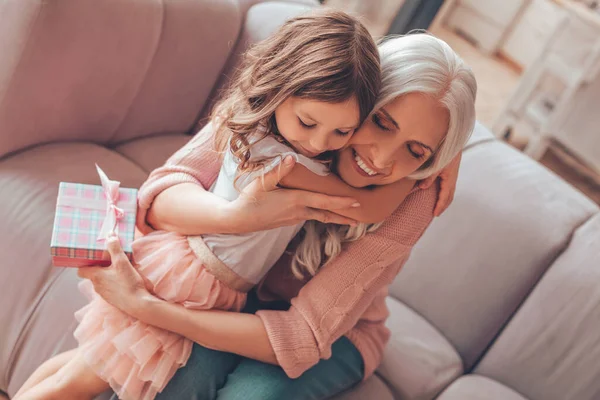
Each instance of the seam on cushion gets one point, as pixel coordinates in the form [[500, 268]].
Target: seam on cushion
[[24, 50], [443, 338], [386, 383], [146, 72], [131, 160], [32, 27], [125, 143], [476, 144], [202, 117], [32, 309], [432, 326]]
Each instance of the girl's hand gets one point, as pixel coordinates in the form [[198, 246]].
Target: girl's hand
[[448, 177], [264, 205], [119, 284]]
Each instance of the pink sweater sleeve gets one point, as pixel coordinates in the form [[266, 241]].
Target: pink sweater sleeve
[[333, 302], [196, 162], [370, 334]]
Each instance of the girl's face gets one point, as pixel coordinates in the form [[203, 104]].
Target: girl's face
[[314, 127], [394, 142]]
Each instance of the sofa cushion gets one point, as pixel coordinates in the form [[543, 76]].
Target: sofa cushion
[[550, 348], [480, 135], [35, 315], [188, 56], [108, 70], [151, 152], [476, 263], [245, 5], [419, 362], [474, 387], [372, 388]]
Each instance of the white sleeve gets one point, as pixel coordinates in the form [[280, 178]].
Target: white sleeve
[[269, 147]]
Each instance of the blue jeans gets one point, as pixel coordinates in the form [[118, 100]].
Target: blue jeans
[[211, 374]]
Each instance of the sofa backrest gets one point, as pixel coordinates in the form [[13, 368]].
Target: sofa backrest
[[108, 71], [551, 347], [262, 18], [477, 263]]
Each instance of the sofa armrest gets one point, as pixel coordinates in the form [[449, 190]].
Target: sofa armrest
[[108, 71]]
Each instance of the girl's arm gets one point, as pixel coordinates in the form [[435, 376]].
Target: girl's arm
[[190, 210], [174, 198], [376, 204], [187, 208]]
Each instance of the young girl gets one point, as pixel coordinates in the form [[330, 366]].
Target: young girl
[[301, 94]]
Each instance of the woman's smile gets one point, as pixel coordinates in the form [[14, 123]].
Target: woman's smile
[[363, 166]]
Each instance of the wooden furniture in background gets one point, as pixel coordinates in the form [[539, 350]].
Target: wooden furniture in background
[[558, 95], [485, 23]]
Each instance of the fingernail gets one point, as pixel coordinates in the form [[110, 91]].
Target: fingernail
[[355, 205], [288, 160]]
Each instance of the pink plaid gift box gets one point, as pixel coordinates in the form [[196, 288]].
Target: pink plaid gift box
[[86, 215]]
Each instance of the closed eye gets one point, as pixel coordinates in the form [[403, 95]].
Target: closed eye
[[305, 124], [414, 154], [343, 133], [377, 120]]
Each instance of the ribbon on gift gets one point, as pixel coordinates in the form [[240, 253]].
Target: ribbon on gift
[[114, 213], [110, 225]]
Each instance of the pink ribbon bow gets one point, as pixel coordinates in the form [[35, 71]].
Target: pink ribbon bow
[[114, 214]]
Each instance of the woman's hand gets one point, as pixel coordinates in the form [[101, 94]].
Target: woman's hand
[[264, 205], [119, 284], [448, 177]]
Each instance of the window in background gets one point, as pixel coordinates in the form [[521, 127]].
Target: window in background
[[391, 16]]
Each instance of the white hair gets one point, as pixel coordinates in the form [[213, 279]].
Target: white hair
[[415, 63]]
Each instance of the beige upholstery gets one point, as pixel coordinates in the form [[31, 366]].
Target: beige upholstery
[[499, 300], [474, 387]]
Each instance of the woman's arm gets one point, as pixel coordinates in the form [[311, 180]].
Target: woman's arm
[[332, 302], [376, 204], [121, 285], [324, 310], [232, 332]]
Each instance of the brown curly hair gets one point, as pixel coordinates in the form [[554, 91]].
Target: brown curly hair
[[325, 56]]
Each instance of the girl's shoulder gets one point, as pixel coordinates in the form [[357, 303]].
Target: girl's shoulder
[[267, 146], [270, 147]]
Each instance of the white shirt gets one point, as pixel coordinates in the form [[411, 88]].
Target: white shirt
[[251, 255]]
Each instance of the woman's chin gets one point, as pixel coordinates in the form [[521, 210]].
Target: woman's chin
[[354, 180]]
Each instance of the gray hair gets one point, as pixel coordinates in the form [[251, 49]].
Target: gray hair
[[415, 63], [425, 64]]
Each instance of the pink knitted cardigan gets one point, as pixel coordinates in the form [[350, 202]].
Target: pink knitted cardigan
[[347, 297]]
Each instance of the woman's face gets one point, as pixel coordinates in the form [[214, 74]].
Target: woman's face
[[314, 127], [394, 142]]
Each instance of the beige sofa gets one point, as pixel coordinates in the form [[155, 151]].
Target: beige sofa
[[500, 299]]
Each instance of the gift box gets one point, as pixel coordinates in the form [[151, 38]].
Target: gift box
[[86, 216]]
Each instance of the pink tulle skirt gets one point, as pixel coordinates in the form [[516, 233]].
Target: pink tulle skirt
[[136, 359]]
